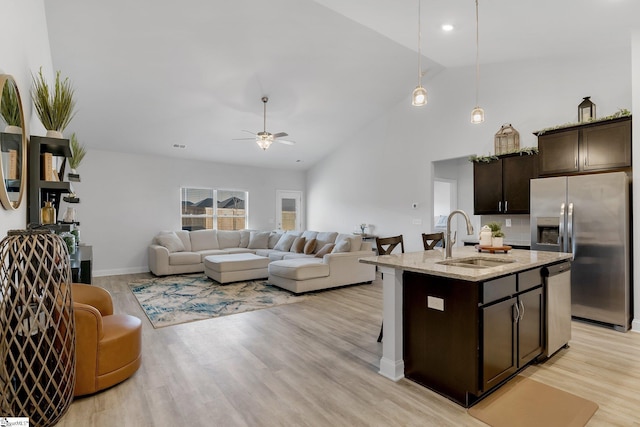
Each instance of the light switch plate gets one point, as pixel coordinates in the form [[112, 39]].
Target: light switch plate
[[435, 303], [507, 222]]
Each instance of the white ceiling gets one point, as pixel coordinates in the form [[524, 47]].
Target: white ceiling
[[152, 73]]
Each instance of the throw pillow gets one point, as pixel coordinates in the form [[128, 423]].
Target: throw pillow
[[325, 250], [342, 246], [298, 245], [285, 242], [309, 246], [273, 239], [171, 241], [259, 240]]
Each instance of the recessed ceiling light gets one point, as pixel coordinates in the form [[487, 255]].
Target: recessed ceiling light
[[447, 27]]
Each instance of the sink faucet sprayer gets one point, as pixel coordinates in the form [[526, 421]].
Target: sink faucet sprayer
[[451, 241]]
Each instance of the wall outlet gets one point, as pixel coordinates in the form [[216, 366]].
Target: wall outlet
[[416, 221], [507, 222]]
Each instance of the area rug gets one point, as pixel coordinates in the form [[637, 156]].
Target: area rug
[[172, 300], [523, 402]]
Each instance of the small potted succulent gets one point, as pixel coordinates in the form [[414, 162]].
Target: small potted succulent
[[54, 106], [497, 236]]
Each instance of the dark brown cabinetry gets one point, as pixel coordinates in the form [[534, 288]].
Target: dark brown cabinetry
[[462, 339], [591, 147], [502, 186], [512, 328]]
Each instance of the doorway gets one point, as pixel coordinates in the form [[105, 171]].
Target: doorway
[[289, 210]]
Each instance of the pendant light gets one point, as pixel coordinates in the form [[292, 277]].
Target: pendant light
[[419, 96], [477, 115]]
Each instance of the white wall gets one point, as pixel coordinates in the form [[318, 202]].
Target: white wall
[[24, 47], [388, 164], [126, 199]]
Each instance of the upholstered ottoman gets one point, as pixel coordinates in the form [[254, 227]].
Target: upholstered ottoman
[[236, 267]]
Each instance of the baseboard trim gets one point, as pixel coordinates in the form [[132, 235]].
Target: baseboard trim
[[119, 271], [635, 325]]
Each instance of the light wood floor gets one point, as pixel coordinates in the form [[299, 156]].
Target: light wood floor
[[315, 363]]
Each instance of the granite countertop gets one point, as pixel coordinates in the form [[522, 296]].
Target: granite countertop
[[427, 262]]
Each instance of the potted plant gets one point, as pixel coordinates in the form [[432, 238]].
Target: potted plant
[[77, 154], [55, 108], [10, 108], [497, 236], [497, 241]]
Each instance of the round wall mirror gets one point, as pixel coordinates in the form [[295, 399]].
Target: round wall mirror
[[13, 144]]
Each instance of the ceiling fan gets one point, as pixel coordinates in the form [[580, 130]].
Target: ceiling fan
[[264, 139]]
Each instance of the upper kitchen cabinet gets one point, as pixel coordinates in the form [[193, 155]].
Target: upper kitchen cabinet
[[502, 186], [591, 147]]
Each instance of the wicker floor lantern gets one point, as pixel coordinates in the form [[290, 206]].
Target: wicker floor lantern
[[37, 328]]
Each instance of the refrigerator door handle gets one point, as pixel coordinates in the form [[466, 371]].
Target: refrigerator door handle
[[561, 230], [570, 229]]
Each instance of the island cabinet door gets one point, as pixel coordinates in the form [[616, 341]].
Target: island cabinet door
[[499, 331], [530, 326]]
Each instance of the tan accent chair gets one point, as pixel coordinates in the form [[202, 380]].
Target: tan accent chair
[[108, 346]]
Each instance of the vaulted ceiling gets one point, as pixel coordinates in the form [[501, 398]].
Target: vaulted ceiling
[[150, 74]]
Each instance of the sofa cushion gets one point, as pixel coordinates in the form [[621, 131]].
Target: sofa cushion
[[325, 237], [245, 236], [299, 269], [296, 256], [203, 239], [277, 255], [273, 239], [184, 235], [325, 250], [239, 250], [354, 241], [298, 245], [259, 240], [184, 258], [285, 242], [343, 245], [309, 246], [228, 239], [171, 241]]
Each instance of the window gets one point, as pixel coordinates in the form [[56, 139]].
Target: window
[[198, 213], [231, 213]]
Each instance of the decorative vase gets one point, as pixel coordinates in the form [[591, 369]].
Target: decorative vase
[[485, 236], [69, 215], [48, 213], [497, 242], [37, 327], [54, 134], [13, 129]]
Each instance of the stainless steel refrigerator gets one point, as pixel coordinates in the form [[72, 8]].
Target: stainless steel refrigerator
[[588, 216]]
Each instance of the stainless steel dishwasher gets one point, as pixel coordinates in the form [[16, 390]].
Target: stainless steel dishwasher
[[557, 280]]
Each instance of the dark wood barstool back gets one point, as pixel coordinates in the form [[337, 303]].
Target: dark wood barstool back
[[386, 245], [431, 240]]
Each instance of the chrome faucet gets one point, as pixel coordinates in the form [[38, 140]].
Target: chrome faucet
[[452, 241]]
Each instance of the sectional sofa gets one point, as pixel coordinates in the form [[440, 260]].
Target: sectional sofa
[[299, 262]]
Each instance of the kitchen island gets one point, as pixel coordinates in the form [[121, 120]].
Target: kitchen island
[[464, 325]]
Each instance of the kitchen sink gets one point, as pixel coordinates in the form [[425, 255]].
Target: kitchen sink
[[476, 262]]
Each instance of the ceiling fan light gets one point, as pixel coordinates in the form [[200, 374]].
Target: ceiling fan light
[[477, 115], [264, 141], [419, 96]]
